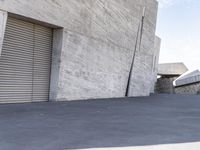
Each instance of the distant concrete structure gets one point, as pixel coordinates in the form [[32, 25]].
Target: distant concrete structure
[[169, 72], [188, 83], [175, 79], [164, 85], [171, 69]]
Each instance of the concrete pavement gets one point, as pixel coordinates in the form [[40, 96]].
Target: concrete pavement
[[114, 123]]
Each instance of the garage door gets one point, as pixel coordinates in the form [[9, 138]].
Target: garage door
[[25, 62]]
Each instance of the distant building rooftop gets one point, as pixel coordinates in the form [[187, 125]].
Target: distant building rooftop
[[172, 69]]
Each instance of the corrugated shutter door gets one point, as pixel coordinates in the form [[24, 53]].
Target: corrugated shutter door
[[42, 61], [16, 62], [25, 62]]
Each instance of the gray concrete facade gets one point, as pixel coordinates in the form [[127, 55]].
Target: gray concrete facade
[[95, 43], [188, 83], [193, 89], [157, 45]]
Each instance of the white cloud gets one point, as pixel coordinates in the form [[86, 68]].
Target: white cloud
[[164, 3], [167, 3]]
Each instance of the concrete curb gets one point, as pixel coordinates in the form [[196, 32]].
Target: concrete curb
[[183, 146]]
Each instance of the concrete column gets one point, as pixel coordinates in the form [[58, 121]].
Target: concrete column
[[56, 59], [3, 20]]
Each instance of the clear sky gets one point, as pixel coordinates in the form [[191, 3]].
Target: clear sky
[[179, 28]]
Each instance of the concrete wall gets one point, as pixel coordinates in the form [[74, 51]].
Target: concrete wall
[[3, 20], [141, 80], [193, 88], [164, 85], [99, 38], [157, 45]]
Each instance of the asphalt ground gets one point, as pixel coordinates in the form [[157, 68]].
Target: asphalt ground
[[103, 123]]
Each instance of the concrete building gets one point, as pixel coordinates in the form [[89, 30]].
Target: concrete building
[[188, 83], [168, 73], [70, 49]]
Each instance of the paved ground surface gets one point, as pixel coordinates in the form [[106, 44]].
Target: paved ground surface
[[161, 119]]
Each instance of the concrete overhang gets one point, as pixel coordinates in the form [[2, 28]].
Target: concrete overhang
[[188, 78], [172, 69]]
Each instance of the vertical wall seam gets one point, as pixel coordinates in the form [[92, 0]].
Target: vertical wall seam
[[139, 33], [132, 63]]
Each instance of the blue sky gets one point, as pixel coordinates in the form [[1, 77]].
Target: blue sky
[[179, 28]]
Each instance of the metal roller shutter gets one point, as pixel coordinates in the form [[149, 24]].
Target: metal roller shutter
[[25, 62], [42, 61]]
